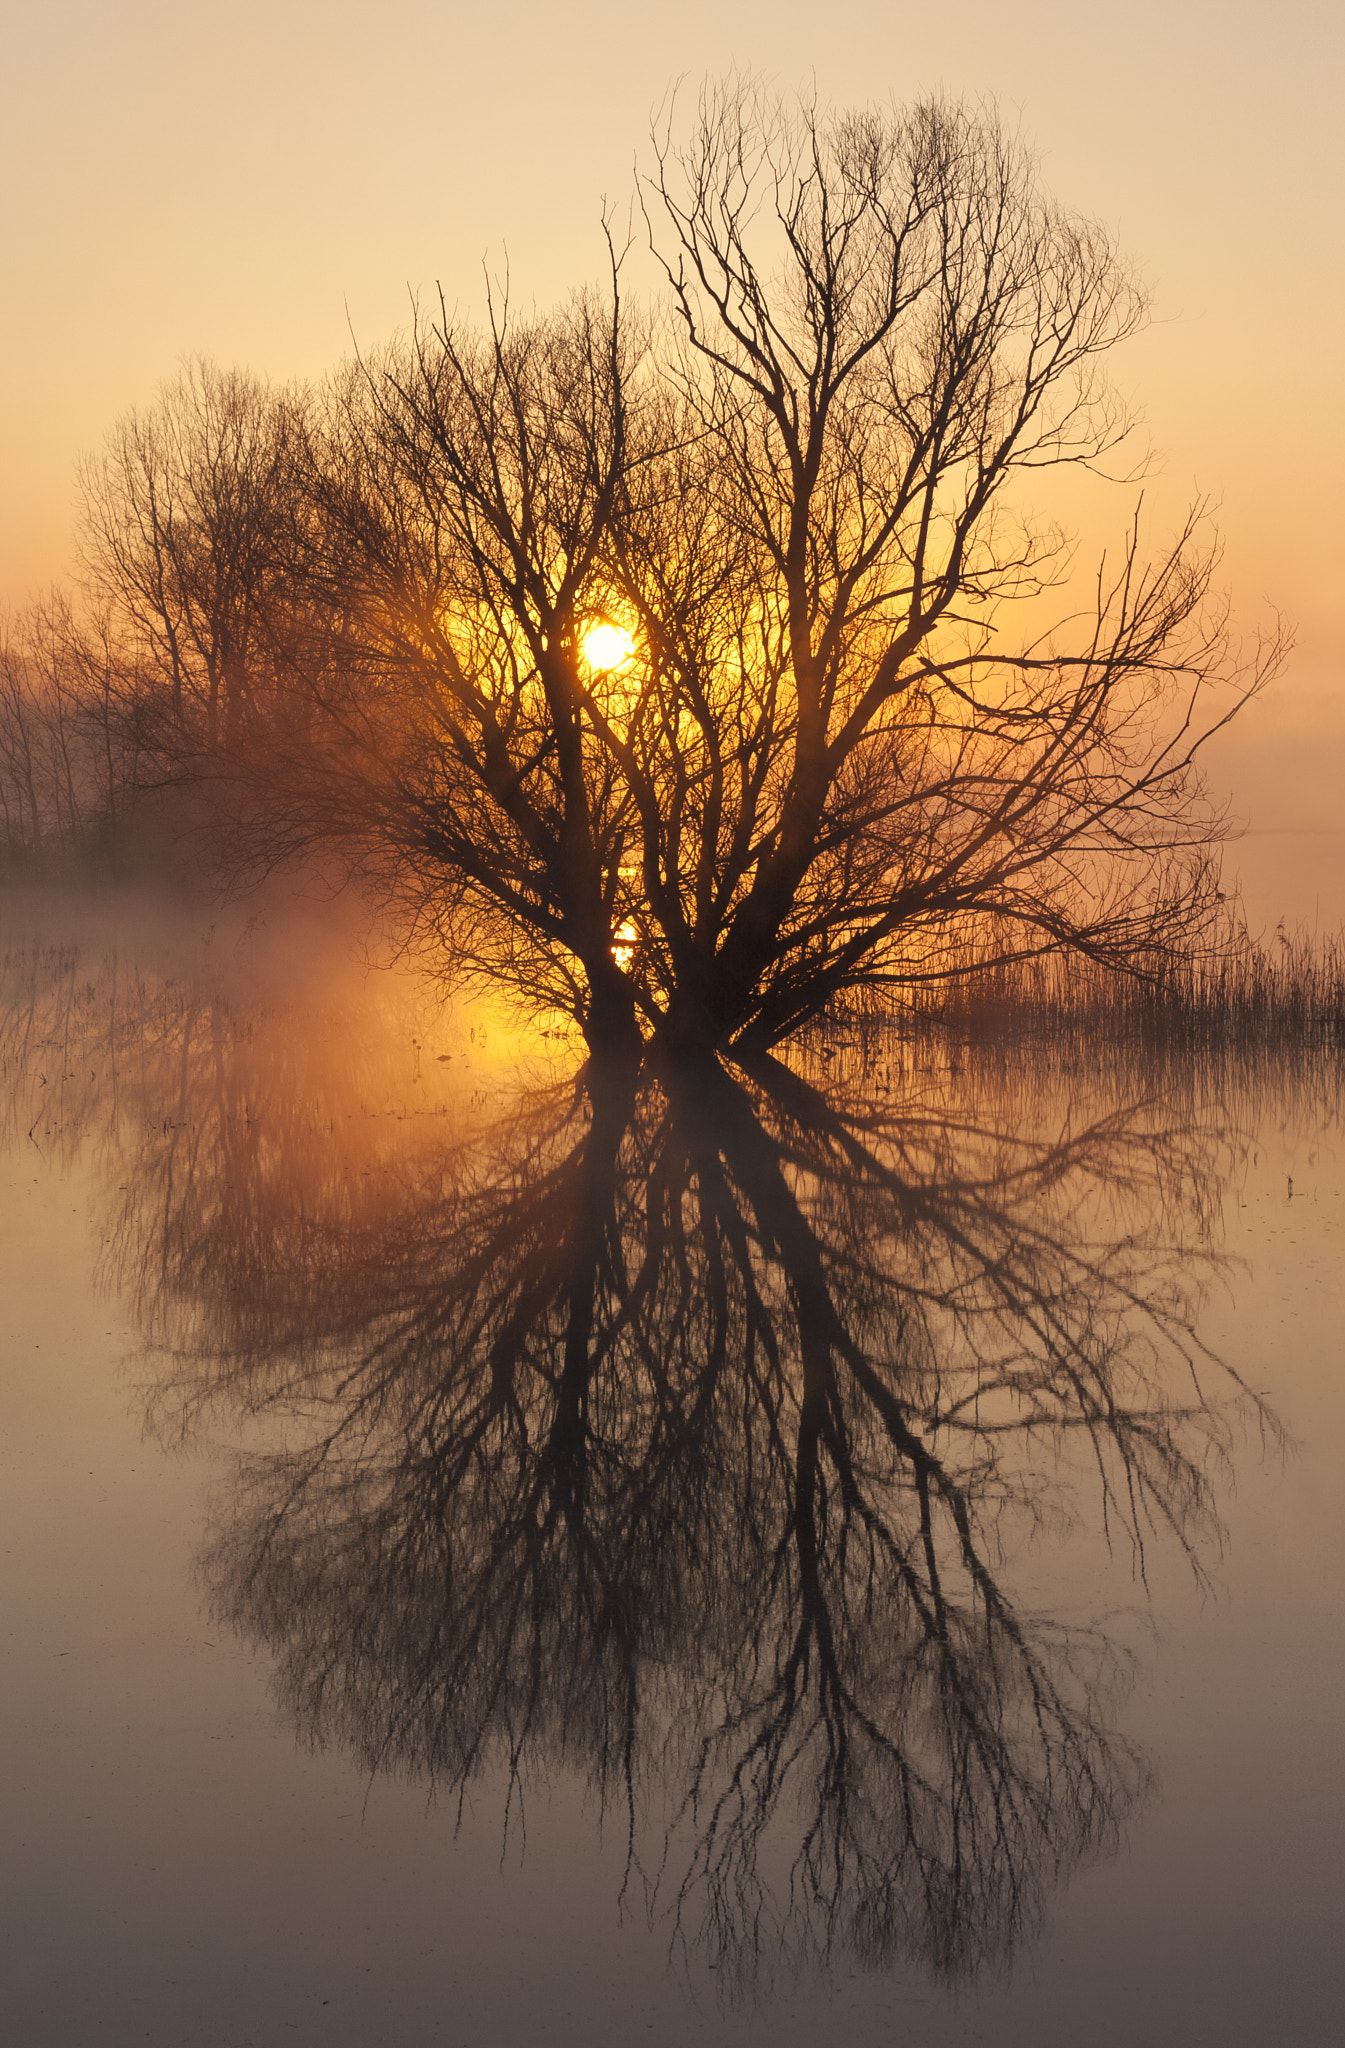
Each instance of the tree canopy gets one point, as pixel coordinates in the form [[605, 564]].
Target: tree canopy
[[816, 753]]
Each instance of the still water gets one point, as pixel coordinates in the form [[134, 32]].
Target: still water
[[502, 1553]]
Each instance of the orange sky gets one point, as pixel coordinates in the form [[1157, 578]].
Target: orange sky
[[235, 181]]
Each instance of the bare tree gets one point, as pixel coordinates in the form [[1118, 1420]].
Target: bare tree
[[24, 811], [188, 534], [885, 322], [70, 759], [819, 759]]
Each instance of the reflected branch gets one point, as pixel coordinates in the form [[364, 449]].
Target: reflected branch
[[679, 1425], [675, 1427]]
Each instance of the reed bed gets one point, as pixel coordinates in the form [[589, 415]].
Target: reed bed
[[1238, 992]]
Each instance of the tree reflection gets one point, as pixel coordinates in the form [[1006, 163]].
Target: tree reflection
[[676, 1427]]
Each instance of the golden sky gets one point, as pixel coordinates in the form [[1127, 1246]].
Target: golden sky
[[245, 181]]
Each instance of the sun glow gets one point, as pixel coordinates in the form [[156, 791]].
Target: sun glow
[[607, 647]]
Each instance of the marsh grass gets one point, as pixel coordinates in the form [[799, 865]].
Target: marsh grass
[[1240, 992]]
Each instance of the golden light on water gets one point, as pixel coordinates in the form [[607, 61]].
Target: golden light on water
[[605, 646]]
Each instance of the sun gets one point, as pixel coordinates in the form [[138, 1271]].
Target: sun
[[607, 647]]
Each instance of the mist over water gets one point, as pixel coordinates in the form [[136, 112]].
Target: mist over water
[[503, 1550]]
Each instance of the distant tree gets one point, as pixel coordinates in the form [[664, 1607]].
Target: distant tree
[[70, 762], [23, 810], [819, 761], [188, 533]]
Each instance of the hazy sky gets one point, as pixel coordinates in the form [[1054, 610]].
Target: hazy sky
[[240, 181]]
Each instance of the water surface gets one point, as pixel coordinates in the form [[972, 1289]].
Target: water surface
[[502, 1552]]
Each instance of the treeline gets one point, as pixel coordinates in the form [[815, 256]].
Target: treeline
[[115, 700], [74, 771]]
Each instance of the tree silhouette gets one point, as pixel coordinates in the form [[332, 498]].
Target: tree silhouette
[[822, 760], [189, 530]]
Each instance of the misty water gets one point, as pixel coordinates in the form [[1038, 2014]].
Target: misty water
[[503, 1553]]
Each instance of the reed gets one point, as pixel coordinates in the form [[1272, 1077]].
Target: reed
[[1238, 990]]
